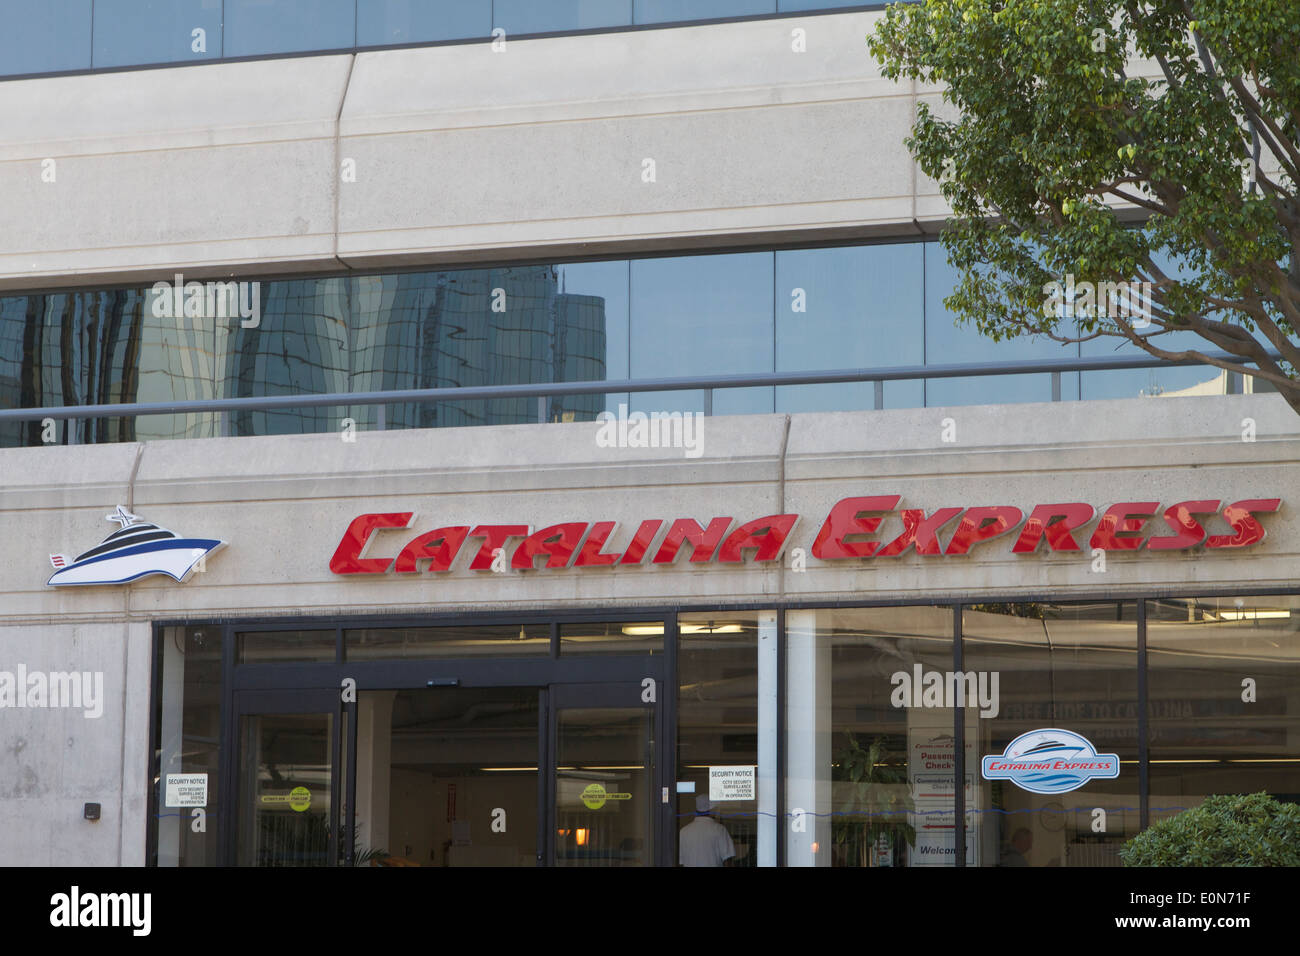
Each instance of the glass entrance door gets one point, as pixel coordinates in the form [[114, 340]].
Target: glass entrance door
[[603, 776], [288, 776], [448, 776]]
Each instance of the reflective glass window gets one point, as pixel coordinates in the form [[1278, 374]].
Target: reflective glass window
[[726, 739], [396, 643], [1223, 699], [287, 26], [703, 315], [546, 16], [869, 757], [418, 21], [267, 647], [948, 344], [795, 5], [44, 37], [619, 637], [1057, 698], [854, 307], [1167, 382], [189, 732], [668, 11], [601, 290], [156, 31]]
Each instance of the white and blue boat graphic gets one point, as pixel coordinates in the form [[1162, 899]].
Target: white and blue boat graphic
[[1050, 760], [137, 549]]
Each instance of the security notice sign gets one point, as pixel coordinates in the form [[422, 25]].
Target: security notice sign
[[187, 790], [732, 783]]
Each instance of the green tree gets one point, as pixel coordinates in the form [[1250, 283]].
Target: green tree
[[1238, 830], [1107, 140]]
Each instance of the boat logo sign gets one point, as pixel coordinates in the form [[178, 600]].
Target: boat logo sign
[[1050, 761], [135, 550]]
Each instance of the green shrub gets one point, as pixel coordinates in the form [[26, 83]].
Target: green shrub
[[1235, 830]]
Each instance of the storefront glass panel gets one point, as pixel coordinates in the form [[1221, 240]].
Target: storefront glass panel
[[869, 758], [1068, 671], [188, 722], [413, 643], [726, 742], [1224, 699], [266, 647], [619, 637]]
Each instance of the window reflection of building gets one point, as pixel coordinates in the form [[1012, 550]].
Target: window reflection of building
[[869, 305], [472, 327], [69, 349]]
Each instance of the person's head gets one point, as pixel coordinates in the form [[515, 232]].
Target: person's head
[[703, 806], [1022, 840]]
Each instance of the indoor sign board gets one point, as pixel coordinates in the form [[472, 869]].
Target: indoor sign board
[[848, 531], [135, 550]]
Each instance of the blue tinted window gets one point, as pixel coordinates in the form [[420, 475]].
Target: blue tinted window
[[667, 11], [545, 16], [795, 5], [1132, 383], [859, 307], [44, 37], [286, 26], [703, 315], [420, 21], [156, 31], [606, 284], [949, 344]]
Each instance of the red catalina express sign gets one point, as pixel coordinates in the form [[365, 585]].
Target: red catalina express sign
[[848, 532]]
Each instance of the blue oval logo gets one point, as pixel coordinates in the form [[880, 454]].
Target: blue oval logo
[[1050, 760]]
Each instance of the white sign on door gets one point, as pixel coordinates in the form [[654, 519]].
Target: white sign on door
[[732, 783], [187, 790]]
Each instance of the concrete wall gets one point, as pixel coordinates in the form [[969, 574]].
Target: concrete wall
[[283, 503], [460, 154]]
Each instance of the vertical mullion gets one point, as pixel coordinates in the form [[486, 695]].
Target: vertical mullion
[[959, 748], [544, 770], [155, 745], [352, 780], [1144, 773], [781, 731], [667, 855], [336, 752], [227, 760]]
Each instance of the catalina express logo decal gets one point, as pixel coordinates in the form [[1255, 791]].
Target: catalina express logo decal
[[136, 550], [1050, 761]]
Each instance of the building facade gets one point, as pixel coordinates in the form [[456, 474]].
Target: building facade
[[991, 620]]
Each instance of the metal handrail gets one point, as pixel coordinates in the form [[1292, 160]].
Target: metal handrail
[[706, 383]]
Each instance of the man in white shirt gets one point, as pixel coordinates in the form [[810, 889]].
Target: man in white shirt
[[704, 841]]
